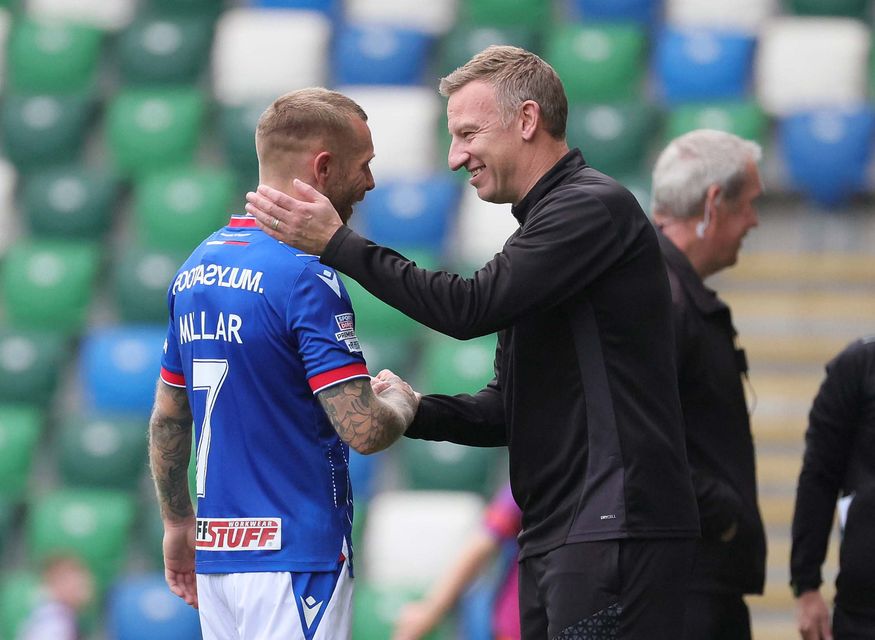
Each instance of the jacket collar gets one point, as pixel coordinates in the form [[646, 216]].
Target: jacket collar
[[703, 297], [568, 164]]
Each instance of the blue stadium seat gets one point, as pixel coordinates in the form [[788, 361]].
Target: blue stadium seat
[[142, 608], [119, 367], [702, 64], [363, 472], [331, 8], [827, 151], [641, 11], [378, 54], [410, 213]]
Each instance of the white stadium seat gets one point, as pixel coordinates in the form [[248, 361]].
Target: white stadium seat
[[403, 122], [110, 15], [481, 230], [746, 16], [434, 16], [259, 54], [811, 62], [412, 536]]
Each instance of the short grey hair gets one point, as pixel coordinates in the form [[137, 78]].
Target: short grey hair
[[691, 163]]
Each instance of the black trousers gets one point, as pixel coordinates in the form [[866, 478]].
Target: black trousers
[[852, 626], [617, 589], [712, 616]]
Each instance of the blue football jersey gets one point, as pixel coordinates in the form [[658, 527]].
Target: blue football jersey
[[256, 329]]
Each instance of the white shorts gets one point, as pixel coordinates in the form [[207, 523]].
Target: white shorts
[[276, 605]]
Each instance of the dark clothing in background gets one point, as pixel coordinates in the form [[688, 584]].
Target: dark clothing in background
[[840, 461], [718, 436]]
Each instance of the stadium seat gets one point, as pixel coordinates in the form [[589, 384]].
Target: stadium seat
[[598, 63], [450, 366], [402, 121], [93, 524], [259, 54], [639, 11], [435, 17], [499, 13], [44, 130], [237, 131], [52, 57], [446, 466], [177, 209], [376, 609], [48, 284], [154, 129], [141, 277], [30, 364], [827, 152], [741, 16], [410, 213], [109, 16], [167, 8], [848, 8], [466, 40], [70, 202], [8, 212], [743, 118], [141, 607], [165, 50], [442, 520], [330, 8], [378, 54], [5, 29], [614, 138], [19, 594], [20, 431], [702, 64], [119, 366], [102, 451], [480, 231], [810, 62], [363, 475]]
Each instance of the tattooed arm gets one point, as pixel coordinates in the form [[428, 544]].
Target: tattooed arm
[[370, 415], [169, 453]]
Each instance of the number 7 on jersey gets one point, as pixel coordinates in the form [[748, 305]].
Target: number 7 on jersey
[[208, 375]]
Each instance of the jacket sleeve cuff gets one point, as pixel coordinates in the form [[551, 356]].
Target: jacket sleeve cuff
[[332, 252]]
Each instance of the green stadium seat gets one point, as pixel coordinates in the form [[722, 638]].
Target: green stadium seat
[[207, 8], [9, 518], [165, 50], [154, 129], [70, 202], [744, 119], [19, 594], [848, 8], [177, 209], [460, 45], [445, 466], [237, 130], [451, 366], [388, 352], [20, 430], [30, 362], [44, 130], [140, 280], [92, 524], [52, 57], [102, 451], [614, 138], [376, 609], [599, 63], [535, 13], [47, 284]]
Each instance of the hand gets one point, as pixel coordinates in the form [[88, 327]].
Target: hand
[[415, 620], [396, 392], [307, 223], [179, 560], [812, 616]]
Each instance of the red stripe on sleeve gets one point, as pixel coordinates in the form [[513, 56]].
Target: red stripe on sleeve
[[173, 379], [350, 371]]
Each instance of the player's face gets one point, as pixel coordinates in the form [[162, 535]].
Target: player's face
[[741, 215], [482, 145], [354, 178]]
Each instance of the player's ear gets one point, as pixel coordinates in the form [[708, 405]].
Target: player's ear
[[323, 165]]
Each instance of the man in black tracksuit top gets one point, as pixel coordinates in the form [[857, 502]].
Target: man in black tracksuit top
[[704, 187], [839, 461], [585, 389]]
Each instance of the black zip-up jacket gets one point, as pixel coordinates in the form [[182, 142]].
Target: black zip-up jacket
[[840, 460], [719, 441], [585, 392]]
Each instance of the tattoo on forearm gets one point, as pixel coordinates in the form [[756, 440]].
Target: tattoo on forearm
[[169, 453], [360, 418]]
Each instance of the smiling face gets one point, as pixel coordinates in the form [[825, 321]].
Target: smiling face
[[352, 177], [482, 145]]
